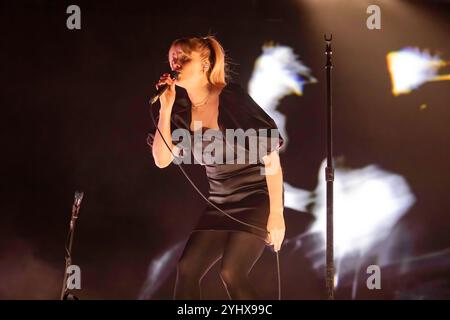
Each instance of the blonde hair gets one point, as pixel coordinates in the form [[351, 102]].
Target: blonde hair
[[209, 49]]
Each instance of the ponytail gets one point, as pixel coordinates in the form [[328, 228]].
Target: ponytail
[[216, 73]]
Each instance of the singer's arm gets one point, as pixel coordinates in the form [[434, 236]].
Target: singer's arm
[[163, 157], [274, 179]]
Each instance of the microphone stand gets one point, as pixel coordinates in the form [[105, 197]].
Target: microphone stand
[[329, 175], [65, 295]]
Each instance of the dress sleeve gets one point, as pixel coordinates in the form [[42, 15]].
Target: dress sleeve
[[268, 135]]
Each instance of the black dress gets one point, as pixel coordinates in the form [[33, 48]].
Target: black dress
[[238, 188]]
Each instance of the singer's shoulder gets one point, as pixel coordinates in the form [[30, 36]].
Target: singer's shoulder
[[234, 94], [232, 88]]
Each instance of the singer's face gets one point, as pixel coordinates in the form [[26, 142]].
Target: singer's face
[[189, 66]]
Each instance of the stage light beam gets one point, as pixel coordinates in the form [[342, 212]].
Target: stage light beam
[[409, 68]]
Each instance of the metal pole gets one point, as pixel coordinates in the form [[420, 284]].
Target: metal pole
[[69, 241], [329, 175]]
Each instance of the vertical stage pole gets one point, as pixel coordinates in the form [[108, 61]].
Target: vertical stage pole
[[329, 175]]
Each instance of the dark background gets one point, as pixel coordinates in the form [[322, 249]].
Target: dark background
[[75, 116]]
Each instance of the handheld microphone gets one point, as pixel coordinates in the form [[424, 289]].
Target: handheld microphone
[[174, 75], [78, 197]]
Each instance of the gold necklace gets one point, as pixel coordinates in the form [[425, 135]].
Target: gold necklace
[[205, 101]]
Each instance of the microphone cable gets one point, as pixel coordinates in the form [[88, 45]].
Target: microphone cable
[[151, 102]]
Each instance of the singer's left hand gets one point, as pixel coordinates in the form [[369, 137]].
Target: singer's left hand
[[277, 229]]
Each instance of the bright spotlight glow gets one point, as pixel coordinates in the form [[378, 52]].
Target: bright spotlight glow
[[410, 68], [296, 198], [278, 73], [158, 271], [368, 202]]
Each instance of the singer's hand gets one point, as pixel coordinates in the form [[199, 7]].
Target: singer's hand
[[168, 97], [277, 229]]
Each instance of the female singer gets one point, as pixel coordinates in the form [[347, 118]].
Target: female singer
[[254, 199]]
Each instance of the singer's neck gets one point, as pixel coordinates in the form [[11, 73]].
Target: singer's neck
[[199, 92]]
